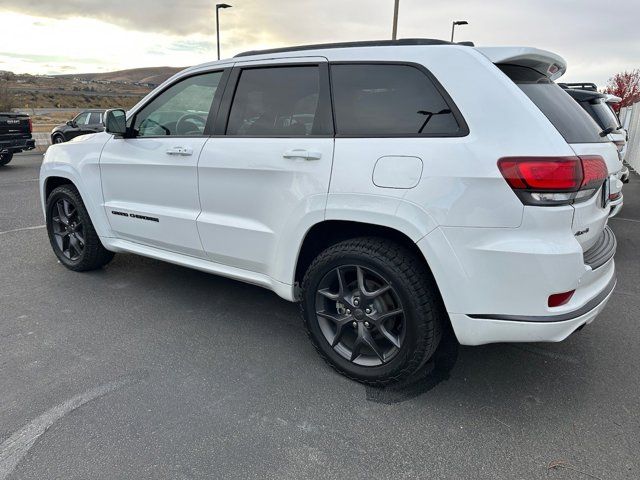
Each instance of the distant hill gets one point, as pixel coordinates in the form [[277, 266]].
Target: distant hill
[[152, 75]]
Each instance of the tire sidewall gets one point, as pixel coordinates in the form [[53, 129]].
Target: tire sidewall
[[414, 333]]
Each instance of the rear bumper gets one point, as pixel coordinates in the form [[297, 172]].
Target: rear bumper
[[480, 331], [496, 283], [17, 145]]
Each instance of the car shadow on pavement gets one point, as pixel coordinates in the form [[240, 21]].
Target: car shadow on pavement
[[525, 374], [436, 370]]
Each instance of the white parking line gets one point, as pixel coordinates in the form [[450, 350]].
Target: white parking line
[[13, 450], [22, 229], [30, 180]]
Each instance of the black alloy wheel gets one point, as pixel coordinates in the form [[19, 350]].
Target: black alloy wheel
[[360, 315], [68, 229]]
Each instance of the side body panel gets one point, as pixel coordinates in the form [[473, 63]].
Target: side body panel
[[150, 196], [258, 197]]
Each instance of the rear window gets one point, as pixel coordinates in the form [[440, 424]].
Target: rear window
[[569, 118], [606, 117], [390, 100]]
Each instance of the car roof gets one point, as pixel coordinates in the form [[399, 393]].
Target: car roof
[[547, 63], [370, 43]]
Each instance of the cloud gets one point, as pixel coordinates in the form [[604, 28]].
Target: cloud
[[47, 58], [597, 40]]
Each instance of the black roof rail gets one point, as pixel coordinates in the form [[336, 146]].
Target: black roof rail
[[580, 86], [367, 43]]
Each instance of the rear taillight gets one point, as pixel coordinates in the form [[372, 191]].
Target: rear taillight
[[30, 126], [554, 180]]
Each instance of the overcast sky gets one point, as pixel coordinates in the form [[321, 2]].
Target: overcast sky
[[596, 38]]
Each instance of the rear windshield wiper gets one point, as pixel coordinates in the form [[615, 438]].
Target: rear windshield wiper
[[430, 115], [607, 131]]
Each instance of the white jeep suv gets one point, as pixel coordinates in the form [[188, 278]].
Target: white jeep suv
[[395, 189]]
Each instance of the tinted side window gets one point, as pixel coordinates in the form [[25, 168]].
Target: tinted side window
[[389, 100], [95, 118], [569, 118], [278, 101], [82, 118], [182, 109]]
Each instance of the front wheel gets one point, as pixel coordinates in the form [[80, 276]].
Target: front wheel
[[71, 233], [58, 139], [372, 310], [5, 158]]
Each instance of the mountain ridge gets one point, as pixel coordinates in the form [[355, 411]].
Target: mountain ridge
[[148, 75]]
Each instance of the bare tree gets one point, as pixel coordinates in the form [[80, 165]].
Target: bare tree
[[625, 85]]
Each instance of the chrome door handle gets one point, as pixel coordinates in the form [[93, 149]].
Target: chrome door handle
[[302, 153], [182, 151]]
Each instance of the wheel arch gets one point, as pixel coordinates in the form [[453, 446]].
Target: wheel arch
[[57, 178], [329, 232], [58, 134], [53, 182]]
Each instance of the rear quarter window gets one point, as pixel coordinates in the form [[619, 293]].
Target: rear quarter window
[[391, 100], [569, 118]]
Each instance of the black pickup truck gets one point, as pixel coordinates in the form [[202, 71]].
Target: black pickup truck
[[15, 135]]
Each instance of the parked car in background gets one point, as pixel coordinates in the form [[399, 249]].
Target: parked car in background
[[89, 121], [598, 106], [15, 135], [367, 181]]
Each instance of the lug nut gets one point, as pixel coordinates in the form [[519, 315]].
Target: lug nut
[[356, 302], [368, 310], [366, 324], [355, 324], [348, 312]]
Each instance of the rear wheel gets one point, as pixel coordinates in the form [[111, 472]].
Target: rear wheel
[[71, 233], [5, 158], [371, 310]]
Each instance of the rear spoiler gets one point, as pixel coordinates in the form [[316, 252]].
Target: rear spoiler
[[612, 98], [547, 63], [592, 87]]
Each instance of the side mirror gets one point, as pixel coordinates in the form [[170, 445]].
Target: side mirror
[[115, 122], [71, 123]]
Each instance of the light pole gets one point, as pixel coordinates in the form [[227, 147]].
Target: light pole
[[453, 27], [218, 7], [394, 35]]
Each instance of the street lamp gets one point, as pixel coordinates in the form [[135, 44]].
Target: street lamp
[[218, 7], [394, 34], [453, 27]]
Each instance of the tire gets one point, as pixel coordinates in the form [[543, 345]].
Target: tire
[[414, 334], [58, 138], [71, 233], [5, 158]]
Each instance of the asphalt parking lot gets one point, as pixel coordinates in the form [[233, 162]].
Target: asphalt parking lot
[[149, 370]]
